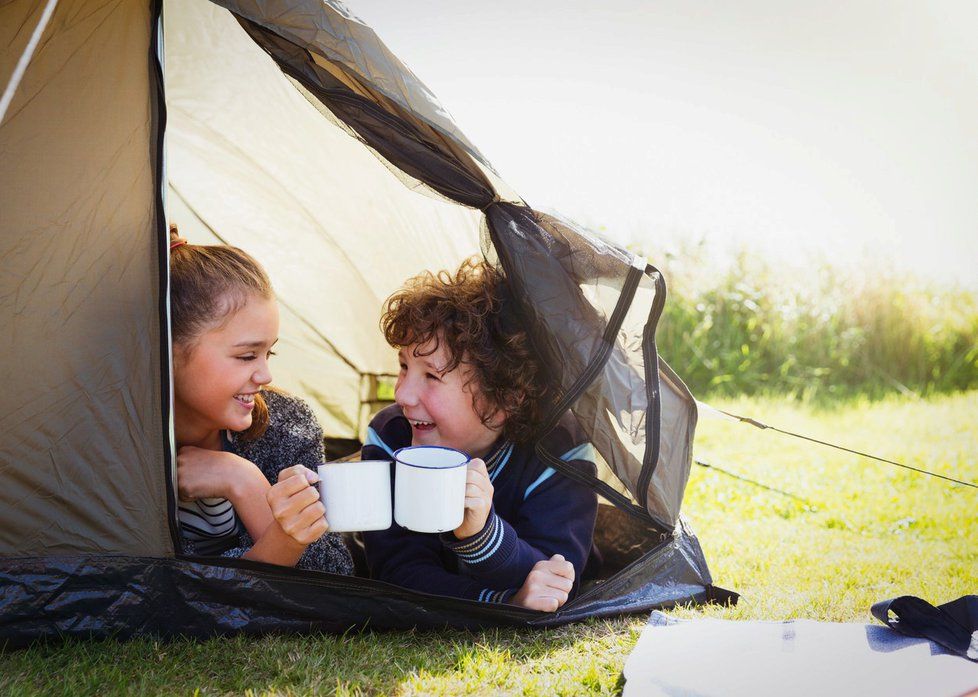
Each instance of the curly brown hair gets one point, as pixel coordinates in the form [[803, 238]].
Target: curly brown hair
[[473, 312]]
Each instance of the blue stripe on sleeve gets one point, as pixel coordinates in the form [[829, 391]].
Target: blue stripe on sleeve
[[374, 439], [499, 534], [547, 473], [585, 451], [498, 467]]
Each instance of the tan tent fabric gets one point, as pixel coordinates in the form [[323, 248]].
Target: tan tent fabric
[[253, 163], [81, 460]]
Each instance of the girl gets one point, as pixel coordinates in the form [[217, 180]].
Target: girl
[[233, 436]]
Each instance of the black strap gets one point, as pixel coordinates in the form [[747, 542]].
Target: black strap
[[951, 625]]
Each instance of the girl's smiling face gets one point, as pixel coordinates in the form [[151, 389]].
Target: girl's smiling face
[[216, 378], [440, 406]]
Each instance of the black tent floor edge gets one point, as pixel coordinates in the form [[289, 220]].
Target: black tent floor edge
[[102, 596]]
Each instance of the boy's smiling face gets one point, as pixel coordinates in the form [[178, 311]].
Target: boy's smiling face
[[440, 406]]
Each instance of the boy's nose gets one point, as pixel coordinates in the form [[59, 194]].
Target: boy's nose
[[404, 394]]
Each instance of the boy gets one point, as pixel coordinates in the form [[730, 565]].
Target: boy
[[469, 381]]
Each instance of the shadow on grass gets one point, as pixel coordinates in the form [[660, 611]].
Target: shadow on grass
[[359, 662]]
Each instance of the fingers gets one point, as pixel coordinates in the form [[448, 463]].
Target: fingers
[[550, 574], [478, 475], [297, 470], [549, 604], [478, 486], [543, 597], [557, 565], [291, 496], [301, 515], [307, 528], [546, 580], [296, 482], [477, 498]]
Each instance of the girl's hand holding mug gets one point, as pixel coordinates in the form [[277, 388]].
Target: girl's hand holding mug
[[295, 504]]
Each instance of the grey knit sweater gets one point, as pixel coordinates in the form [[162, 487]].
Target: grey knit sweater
[[293, 437]]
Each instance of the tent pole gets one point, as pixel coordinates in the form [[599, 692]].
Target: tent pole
[[25, 59]]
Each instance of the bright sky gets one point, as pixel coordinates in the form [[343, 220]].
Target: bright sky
[[840, 131]]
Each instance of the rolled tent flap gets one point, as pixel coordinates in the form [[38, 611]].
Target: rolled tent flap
[[82, 458]]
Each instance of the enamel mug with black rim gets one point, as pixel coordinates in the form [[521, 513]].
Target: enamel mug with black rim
[[429, 488]]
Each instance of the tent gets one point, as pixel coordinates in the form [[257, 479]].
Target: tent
[[290, 130]]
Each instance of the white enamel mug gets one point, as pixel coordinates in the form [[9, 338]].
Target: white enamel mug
[[429, 488], [356, 494]]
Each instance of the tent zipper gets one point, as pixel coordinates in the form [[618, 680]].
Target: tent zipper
[[652, 425], [607, 344], [163, 271]]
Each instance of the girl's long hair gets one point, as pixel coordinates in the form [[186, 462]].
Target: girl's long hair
[[207, 284]]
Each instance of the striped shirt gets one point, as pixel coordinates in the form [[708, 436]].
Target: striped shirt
[[210, 523]]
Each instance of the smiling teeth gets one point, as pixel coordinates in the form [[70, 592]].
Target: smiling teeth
[[245, 397], [421, 423]]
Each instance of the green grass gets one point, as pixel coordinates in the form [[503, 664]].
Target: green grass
[[831, 534]]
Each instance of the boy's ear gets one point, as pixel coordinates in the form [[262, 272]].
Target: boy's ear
[[496, 416], [498, 420]]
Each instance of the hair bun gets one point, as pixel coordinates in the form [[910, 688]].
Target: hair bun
[[175, 239]]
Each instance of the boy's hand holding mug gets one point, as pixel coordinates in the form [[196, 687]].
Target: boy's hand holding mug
[[478, 499], [295, 503]]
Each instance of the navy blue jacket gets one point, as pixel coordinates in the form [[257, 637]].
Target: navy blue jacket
[[536, 513]]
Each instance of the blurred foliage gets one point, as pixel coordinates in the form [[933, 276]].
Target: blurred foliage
[[754, 328]]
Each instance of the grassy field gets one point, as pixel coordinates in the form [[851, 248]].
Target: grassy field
[[829, 535]]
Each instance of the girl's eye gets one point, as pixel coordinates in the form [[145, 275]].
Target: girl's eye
[[249, 357], [432, 376]]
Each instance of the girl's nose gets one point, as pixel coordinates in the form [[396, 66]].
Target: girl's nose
[[263, 374]]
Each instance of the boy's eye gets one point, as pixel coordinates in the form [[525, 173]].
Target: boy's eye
[[248, 357], [432, 376]]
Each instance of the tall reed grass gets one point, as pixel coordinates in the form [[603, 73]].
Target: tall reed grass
[[757, 328]]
